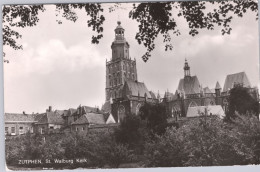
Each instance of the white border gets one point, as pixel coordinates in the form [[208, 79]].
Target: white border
[[176, 169]]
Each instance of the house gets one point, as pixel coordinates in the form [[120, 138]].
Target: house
[[17, 124], [92, 121], [50, 122]]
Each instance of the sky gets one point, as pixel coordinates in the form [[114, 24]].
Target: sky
[[59, 66]]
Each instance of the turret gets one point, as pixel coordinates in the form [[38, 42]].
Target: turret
[[217, 89]]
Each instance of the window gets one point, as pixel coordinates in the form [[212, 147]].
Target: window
[[31, 130], [12, 130], [75, 118], [51, 127], [26, 129], [21, 130], [42, 130], [76, 128], [83, 128], [6, 130]]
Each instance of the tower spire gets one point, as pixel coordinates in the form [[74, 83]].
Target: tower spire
[[186, 68]]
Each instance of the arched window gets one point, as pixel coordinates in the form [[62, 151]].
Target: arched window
[[121, 113], [138, 108]]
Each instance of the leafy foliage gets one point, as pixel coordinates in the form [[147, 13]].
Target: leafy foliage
[[99, 149], [206, 143], [18, 16], [158, 18], [92, 10], [154, 19], [241, 101], [132, 132], [155, 116]]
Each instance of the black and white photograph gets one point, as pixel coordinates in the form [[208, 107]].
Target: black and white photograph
[[131, 85]]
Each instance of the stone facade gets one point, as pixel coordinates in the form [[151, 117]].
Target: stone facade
[[190, 93], [121, 67]]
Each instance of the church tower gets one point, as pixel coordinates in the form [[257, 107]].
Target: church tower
[[186, 69], [120, 67]]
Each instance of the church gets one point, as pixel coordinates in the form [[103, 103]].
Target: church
[[190, 93], [124, 93]]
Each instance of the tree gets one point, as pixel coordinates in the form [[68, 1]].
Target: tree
[[154, 18], [132, 132], [155, 116], [241, 101], [206, 143]]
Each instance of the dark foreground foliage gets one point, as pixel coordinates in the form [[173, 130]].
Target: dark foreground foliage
[[206, 141]]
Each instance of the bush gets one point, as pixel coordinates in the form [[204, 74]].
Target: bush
[[206, 142]]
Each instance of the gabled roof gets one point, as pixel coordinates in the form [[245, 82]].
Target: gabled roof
[[51, 118], [62, 112], [71, 111], [137, 88], [88, 109], [207, 90], [106, 107], [237, 78], [91, 118], [19, 117], [190, 85], [214, 110], [82, 120]]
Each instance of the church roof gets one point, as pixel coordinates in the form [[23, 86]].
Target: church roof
[[190, 85], [138, 88], [152, 94], [237, 78], [106, 107]]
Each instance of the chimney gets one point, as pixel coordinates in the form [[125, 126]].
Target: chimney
[[24, 112], [50, 109]]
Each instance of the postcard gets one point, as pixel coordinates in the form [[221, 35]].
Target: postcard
[[131, 85]]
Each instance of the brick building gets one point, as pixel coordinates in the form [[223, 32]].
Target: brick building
[[124, 93]]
